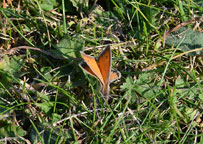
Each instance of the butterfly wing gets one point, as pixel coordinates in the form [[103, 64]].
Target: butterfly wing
[[114, 76], [104, 63], [101, 69], [87, 69], [91, 66]]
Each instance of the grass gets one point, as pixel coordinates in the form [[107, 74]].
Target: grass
[[47, 98]]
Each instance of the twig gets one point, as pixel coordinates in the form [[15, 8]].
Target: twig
[[12, 50], [166, 34], [161, 63], [74, 115]]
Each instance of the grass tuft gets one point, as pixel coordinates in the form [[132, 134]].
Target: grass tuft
[[45, 97]]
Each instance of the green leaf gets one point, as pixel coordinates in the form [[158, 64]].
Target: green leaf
[[101, 17], [48, 5], [45, 106], [68, 48], [201, 97], [180, 82], [43, 96], [46, 72], [144, 85], [10, 130], [10, 69], [128, 84], [128, 87], [78, 4], [6, 79], [50, 134], [190, 112], [192, 40], [12, 65], [145, 78], [55, 117], [151, 14], [141, 86]]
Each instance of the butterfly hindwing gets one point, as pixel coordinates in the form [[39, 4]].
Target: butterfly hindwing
[[114, 75]]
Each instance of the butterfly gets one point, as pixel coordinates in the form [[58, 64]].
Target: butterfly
[[100, 68]]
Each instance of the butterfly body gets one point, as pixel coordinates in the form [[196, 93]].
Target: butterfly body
[[100, 68]]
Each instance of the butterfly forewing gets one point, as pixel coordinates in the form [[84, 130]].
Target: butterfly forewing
[[104, 63], [92, 64]]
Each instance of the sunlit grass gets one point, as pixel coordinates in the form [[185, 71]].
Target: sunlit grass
[[47, 98]]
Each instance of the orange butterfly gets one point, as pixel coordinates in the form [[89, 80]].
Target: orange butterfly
[[101, 69]]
